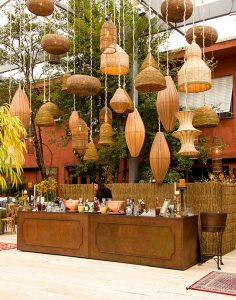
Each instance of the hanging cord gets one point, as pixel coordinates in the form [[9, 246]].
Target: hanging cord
[[20, 45], [106, 59], [74, 36], [123, 17], [30, 75], [83, 19], [133, 38], [167, 36], [203, 29], [185, 46], [149, 32], [67, 28], [23, 50], [158, 52], [114, 11], [91, 67], [105, 8], [44, 62], [194, 37], [119, 41], [10, 58], [159, 124]]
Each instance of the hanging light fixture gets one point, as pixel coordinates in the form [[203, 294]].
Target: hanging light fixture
[[120, 102], [149, 61], [216, 152], [108, 36], [65, 77], [205, 36], [44, 118], [52, 108], [105, 110], [43, 8], [56, 44], [205, 116], [177, 10], [83, 85], [106, 135]]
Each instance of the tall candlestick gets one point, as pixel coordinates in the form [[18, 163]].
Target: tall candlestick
[[174, 187]]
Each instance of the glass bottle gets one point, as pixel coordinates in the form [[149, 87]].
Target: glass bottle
[[96, 205], [86, 206], [142, 206], [128, 208]]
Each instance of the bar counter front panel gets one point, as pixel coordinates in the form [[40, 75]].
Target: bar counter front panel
[[153, 241]]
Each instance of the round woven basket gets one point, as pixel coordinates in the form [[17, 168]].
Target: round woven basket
[[54, 59], [52, 108], [108, 36], [176, 10], [91, 152], [44, 118], [83, 85], [120, 102], [106, 135], [64, 81], [205, 116], [41, 8], [102, 114], [150, 80], [149, 61], [55, 44], [210, 35]]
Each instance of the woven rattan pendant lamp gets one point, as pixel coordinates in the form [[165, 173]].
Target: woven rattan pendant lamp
[[52, 108], [65, 77], [44, 118], [149, 61], [205, 36], [43, 8], [83, 85], [176, 10], [106, 135], [20, 107], [55, 44], [108, 36], [102, 114], [205, 116], [120, 102]]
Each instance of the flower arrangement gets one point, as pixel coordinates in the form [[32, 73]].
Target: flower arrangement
[[47, 189]]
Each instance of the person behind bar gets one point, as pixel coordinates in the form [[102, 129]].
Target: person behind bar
[[101, 190]]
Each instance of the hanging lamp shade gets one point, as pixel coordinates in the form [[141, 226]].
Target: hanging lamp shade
[[54, 59], [114, 63], [64, 81], [102, 115], [159, 157], [83, 85], [91, 152], [79, 145], [185, 118], [55, 44], [52, 108], [134, 133], [74, 123], [106, 135], [120, 102], [168, 104], [108, 36], [44, 118], [187, 138], [150, 80], [43, 8], [194, 76], [20, 107], [149, 61], [176, 10], [205, 116], [204, 35]]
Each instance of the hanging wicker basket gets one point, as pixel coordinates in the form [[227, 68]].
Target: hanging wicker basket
[[185, 118], [102, 115], [149, 61], [108, 36], [210, 35], [55, 44], [79, 145], [187, 139], [150, 80], [83, 85], [52, 108], [54, 59], [64, 81], [91, 152], [205, 116], [120, 102], [43, 8], [106, 135], [176, 10], [44, 118]]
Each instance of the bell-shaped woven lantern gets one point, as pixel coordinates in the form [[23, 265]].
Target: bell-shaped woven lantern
[[83, 85], [20, 107], [52, 108], [205, 116], [44, 118], [150, 79], [64, 81], [102, 115], [194, 76], [168, 104], [120, 102], [79, 145], [54, 59], [91, 152], [108, 36], [114, 63], [55, 44], [106, 135], [159, 157], [43, 8], [204, 35], [177, 11], [134, 133], [149, 61]]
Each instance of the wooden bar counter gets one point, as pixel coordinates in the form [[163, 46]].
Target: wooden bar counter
[[153, 241]]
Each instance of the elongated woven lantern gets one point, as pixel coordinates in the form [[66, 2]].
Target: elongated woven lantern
[[102, 114], [205, 116], [194, 76], [114, 63], [149, 61], [108, 36], [176, 10], [64, 81], [55, 44], [134, 133], [83, 85], [168, 104], [52, 108], [106, 135], [43, 8], [20, 107], [91, 152], [210, 35], [44, 118], [74, 123], [120, 102], [159, 157]]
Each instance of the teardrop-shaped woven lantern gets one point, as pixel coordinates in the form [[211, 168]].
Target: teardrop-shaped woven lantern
[[74, 123], [194, 76], [134, 133], [91, 152], [108, 36], [44, 118], [150, 80], [176, 10], [54, 59], [83, 85], [149, 61], [52, 108], [120, 102], [210, 35], [41, 8], [102, 114], [159, 157], [205, 116], [106, 135], [187, 138], [114, 63], [55, 44], [168, 104], [20, 107], [64, 81]]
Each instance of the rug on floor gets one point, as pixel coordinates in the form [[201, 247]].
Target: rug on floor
[[216, 282], [7, 246]]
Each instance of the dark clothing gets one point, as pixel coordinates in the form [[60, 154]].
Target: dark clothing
[[104, 193]]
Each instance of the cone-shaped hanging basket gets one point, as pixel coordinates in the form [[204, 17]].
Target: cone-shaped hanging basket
[[149, 61], [168, 104], [134, 133], [83, 85], [205, 116], [120, 102], [43, 8], [20, 107], [150, 80], [55, 44], [209, 33], [187, 138], [102, 114], [106, 135], [159, 157], [64, 81], [44, 118], [91, 152], [178, 10], [52, 108], [108, 36], [195, 75]]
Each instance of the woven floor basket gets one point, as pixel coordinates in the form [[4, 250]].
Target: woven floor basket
[[43, 8], [108, 36], [150, 80], [52, 108], [210, 35], [176, 10], [83, 85], [149, 61], [44, 118], [205, 116], [91, 152], [55, 44], [105, 138]]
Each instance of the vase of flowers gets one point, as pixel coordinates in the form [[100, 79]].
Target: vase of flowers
[[47, 189]]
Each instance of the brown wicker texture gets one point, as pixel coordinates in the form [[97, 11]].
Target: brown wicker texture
[[83, 85], [108, 36], [159, 157], [176, 10], [52, 108], [91, 152], [150, 80], [106, 135], [194, 76], [64, 81], [102, 115], [149, 61], [168, 104], [80, 142], [114, 63], [54, 59], [134, 133], [205, 116], [55, 44], [41, 8], [44, 118], [210, 35], [130, 108], [20, 107], [120, 102], [74, 123]]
